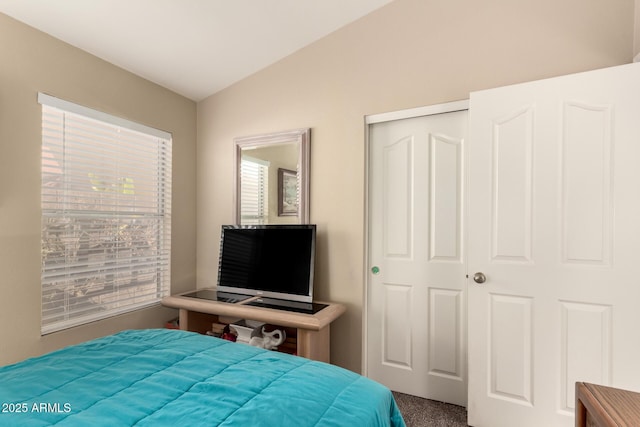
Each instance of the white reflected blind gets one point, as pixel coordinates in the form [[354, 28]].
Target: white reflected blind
[[254, 201], [106, 215]]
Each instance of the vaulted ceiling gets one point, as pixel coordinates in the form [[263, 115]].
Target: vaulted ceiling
[[193, 47]]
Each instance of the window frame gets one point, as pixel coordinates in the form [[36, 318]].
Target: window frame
[[156, 213]]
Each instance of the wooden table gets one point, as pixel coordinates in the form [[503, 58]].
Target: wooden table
[[602, 406], [313, 331]]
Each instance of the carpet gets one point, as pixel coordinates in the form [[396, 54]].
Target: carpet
[[419, 412]]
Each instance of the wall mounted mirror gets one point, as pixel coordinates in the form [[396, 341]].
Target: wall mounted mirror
[[272, 178]]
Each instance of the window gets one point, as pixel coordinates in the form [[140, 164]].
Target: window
[[254, 203], [106, 215]]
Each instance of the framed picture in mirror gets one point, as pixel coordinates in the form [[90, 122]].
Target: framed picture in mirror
[[287, 192]]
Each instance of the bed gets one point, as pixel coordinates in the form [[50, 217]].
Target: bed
[[167, 377]]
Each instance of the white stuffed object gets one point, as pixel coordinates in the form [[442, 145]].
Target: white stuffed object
[[269, 340]]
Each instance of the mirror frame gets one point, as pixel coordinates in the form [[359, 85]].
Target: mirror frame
[[303, 138]]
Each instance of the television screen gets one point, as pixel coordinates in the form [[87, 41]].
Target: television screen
[[274, 261]]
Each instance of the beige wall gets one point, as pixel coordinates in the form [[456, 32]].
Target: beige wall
[[31, 62], [636, 38], [409, 53]]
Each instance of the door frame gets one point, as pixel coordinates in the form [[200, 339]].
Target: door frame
[[447, 107]]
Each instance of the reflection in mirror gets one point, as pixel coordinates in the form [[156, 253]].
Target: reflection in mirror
[[272, 178]]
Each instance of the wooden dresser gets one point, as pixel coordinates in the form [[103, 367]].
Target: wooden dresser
[[602, 406]]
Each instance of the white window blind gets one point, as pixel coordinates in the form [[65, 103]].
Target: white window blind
[[254, 203], [106, 215]]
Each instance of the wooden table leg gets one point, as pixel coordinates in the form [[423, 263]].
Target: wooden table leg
[[315, 345]]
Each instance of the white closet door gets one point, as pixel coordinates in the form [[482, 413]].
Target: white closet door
[[554, 225], [416, 341]]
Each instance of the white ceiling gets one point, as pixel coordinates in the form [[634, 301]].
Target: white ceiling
[[193, 47]]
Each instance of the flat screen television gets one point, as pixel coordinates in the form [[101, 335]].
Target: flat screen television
[[275, 261]]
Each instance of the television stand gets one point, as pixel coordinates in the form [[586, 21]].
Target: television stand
[[312, 330]]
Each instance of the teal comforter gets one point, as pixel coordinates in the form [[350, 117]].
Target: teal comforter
[[176, 378]]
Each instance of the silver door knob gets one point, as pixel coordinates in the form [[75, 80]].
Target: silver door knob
[[479, 277]]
